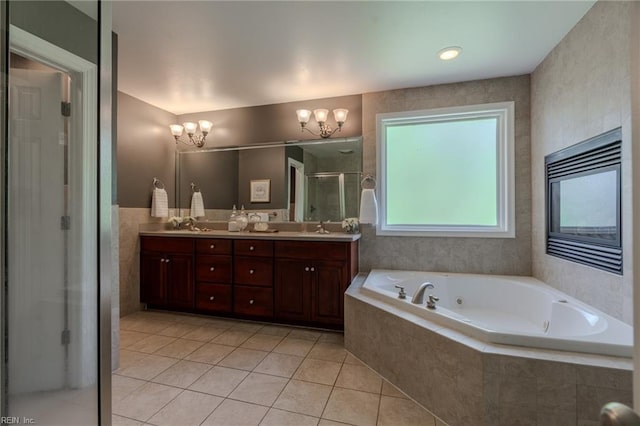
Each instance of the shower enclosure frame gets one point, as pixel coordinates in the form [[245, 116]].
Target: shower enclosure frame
[[98, 135]]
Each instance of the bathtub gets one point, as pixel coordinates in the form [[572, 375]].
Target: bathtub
[[507, 310]]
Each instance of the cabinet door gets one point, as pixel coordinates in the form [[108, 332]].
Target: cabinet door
[[328, 287], [179, 279], [152, 282], [292, 289]]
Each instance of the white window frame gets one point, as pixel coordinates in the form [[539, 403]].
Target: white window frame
[[504, 112]]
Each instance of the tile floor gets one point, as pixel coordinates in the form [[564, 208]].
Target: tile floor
[[190, 370]]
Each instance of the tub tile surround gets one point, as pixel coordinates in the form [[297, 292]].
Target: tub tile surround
[[464, 381], [580, 90], [164, 387], [506, 256]]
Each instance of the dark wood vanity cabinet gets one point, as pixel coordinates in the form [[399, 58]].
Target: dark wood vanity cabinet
[[253, 278], [166, 272], [298, 282], [214, 275], [310, 280]]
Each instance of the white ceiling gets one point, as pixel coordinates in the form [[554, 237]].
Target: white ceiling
[[192, 56]]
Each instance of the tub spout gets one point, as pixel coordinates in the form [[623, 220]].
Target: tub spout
[[418, 297]]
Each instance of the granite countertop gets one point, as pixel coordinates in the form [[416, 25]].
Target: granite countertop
[[280, 235]]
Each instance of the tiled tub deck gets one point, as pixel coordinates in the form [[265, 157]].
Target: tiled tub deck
[[467, 382]]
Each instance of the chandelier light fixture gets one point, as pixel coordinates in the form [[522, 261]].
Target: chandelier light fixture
[[191, 128], [321, 115]]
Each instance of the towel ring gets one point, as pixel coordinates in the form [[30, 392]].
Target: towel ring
[[194, 188], [157, 183], [368, 178]]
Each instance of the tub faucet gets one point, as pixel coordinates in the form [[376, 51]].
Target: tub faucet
[[431, 303], [418, 297]]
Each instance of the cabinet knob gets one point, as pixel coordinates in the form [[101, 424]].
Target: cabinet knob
[[251, 302], [161, 260], [313, 269], [251, 248], [212, 268], [212, 246], [166, 260], [251, 271], [306, 269], [212, 298]]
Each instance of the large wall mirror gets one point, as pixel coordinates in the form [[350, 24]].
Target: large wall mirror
[[298, 181]]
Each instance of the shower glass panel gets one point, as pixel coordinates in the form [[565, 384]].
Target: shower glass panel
[[50, 302], [332, 196]]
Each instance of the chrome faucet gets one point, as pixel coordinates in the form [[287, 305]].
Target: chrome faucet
[[321, 228], [418, 297], [431, 303]]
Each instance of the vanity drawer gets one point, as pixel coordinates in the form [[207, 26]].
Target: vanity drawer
[[253, 248], [253, 271], [213, 297], [167, 244], [312, 250], [254, 301], [213, 246], [213, 268]]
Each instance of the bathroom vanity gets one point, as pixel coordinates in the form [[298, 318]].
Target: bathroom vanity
[[288, 277]]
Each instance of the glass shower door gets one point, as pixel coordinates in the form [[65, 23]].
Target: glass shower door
[[52, 285]]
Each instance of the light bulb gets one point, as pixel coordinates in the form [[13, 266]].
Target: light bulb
[[340, 115], [321, 115], [176, 130], [190, 127], [449, 53], [303, 115], [205, 126]]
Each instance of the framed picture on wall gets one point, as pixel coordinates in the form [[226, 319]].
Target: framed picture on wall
[[260, 190]]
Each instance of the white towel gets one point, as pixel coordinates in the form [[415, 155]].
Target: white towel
[[159, 203], [368, 207], [197, 205]]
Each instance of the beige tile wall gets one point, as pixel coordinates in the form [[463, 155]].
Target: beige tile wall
[[130, 219], [474, 255], [580, 90]]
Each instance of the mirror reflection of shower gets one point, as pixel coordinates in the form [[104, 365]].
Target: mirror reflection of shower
[[332, 196]]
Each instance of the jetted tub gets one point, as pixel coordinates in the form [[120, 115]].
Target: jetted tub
[[509, 310]]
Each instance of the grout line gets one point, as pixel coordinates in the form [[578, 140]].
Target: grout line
[[314, 343]]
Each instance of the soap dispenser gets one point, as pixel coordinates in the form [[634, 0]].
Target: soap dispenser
[[242, 219], [232, 225]]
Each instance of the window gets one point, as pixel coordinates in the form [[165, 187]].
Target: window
[[447, 172]]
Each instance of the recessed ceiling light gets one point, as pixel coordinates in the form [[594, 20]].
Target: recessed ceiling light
[[449, 53]]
